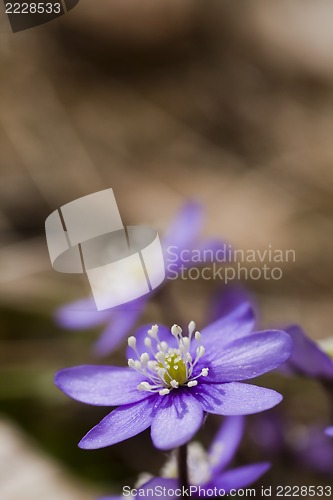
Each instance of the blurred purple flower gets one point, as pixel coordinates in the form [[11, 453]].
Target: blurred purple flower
[[306, 445], [310, 447], [208, 469], [174, 379], [182, 234]]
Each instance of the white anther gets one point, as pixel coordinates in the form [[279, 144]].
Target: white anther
[[153, 332], [151, 364], [144, 358], [160, 356], [164, 392], [192, 383], [191, 327], [204, 372], [176, 330], [197, 336], [186, 342], [131, 363], [161, 372], [144, 386], [137, 365], [147, 342], [200, 351], [164, 346], [131, 341], [174, 384]]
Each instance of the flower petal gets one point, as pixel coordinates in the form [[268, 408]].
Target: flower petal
[[225, 443], [329, 431], [207, 252], [185, 228], [227, 299], [122, 423], [240, 477], [235, 398], [248, 357], [307, 358], [123, 321], [177, 419], [81, 314], [141, 333], [236, 324], [101, 385], [161, 482]]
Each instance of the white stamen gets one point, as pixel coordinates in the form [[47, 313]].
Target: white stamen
[[197, 336], [164, 392], [144, 386], [132, 342], [170, 367], [151, 365], [176, 330], [144, 358], [164, 346], [191, 328], [147, 342], [153, 332]]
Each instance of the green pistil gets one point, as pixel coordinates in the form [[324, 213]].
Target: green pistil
[[176, 369]]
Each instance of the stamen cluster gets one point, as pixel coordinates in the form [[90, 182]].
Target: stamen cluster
[[166, 367]]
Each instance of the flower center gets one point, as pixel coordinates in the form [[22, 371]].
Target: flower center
[[167, 367], [176, 369]]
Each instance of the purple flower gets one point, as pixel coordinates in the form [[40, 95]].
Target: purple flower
[[172, 380], [182, 235], [279, 436], [209, 469]]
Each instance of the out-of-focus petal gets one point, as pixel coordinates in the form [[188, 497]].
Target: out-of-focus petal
[[101, 385], [123, 320], [122, 423], [207, 252], [228, 298], [184, 230], [248, 357], [235, 398], [225, 443], [159, 483], [81, 314], [329, 431], [307, 358], [240, 477], [177, 419]]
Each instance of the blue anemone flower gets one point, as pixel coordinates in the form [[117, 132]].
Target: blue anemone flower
[[173, 380]]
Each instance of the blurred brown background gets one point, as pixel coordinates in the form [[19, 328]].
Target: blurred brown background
[[228, 103]]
